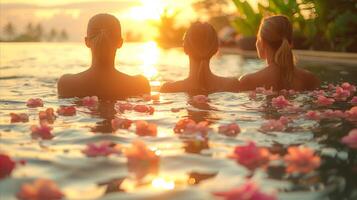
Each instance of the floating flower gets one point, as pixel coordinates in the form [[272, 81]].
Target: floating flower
[[354, 101], [104, 148], [154, 97], [47, 115], [143, 128], [317, 93], [43, 131], [189, 126], [280, 102], [251, 156], [21, 117], [341, 94], [349, 87], [40, 189], [273, 125], [90, 101], [6, 165], [351, 114], [252, 95], [312, 115], [124, 106], [288, 92], [350, 139], [324, 101], [141, 160], [66, 110], [229, 129], [120, 123], [200, 99], [333, 114], [33, 103], [247, 191], [144, 109], [260, 90], [301, 160]]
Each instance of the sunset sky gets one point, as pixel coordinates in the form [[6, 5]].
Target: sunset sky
[[135, 15]]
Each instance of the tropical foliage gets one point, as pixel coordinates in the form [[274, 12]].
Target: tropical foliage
[[318, 24]]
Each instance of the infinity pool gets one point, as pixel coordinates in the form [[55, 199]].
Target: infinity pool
[[192, 166]]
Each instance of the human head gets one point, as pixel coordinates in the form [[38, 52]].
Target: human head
[[103, 34], [274, 40], [200, 44], [201, 41]]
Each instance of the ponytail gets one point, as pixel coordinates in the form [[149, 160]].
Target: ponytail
[[201, 75], [100, 40], [284, 59]]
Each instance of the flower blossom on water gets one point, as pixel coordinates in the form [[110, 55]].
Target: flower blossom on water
[[40, 189], [104, 148], [354, 101], [312, 115], [47, 115], [333, 114], [351, 114], [200, 99], [6, 165], [189, 126], [67, 110], [247, 191], [43, 131], [252, 95], [21, 117], [229, 129], [35, 102], [154, 97], [275, 125], [251, 156], [288, 92], [349, 87], [341, 94], [90, 101], [351, 139], [280, 102], [143, 128], [121, 123], [317, 93], [141, 160], [144, 109], [262, 90], [122, 107], [301, 160], [324, 101]]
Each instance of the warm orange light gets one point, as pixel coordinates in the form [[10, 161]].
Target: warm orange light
[[149, 57], [149, 10]]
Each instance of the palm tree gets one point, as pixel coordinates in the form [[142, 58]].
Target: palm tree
[[63, 35], [52, 35], [9, 30]]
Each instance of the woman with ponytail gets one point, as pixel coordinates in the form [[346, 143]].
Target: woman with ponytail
[[274, 41], [200, 44], [102, 79]]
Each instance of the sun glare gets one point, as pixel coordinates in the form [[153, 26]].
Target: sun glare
[[149, 57], [149, 10]]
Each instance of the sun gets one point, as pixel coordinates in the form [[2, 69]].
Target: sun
[[148, 10]]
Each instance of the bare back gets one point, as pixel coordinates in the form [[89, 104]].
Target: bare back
[[269, 76], [114, 85]]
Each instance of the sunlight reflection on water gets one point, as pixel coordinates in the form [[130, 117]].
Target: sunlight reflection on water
[[31, 70]]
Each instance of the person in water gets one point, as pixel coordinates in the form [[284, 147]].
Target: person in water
[[274, 41], [200, 44], [102, 79]]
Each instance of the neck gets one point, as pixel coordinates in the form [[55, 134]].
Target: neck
[[103, 63], [195, 71]]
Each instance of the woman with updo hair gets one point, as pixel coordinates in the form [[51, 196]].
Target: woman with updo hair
[[200, 44], [102, 79], [274, 44]]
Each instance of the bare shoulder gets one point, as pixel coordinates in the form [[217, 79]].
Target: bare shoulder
[[176, 86], [63, 85], [142, 83], [248, 82], [311, 80]]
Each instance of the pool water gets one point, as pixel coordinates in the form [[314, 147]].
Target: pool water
[[191, 166]]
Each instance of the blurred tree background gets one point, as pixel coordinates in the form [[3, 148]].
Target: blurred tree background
[[33, 33]]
